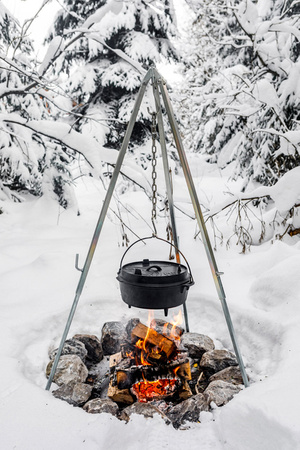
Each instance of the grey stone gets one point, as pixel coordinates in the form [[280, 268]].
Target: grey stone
[[220, 392], [216, 360], [99, 405], [113, 334], [77, 394], [188, 410], [71, 347], [93, 347], [197, 344], [70, 369], [231, 374], [145, 409], [131, 324]]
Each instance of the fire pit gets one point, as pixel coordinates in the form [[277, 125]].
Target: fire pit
[[154, 369]]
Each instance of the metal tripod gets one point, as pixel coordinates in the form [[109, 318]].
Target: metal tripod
[[159, 91]]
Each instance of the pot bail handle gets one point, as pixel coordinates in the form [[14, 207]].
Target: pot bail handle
[[160, 239]]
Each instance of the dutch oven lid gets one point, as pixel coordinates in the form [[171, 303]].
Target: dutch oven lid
[[153, 272]]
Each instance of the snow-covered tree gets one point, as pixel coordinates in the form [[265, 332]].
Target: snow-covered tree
[[110, 44], [29, 160], [36, 149], [18, 164], [243, 102]]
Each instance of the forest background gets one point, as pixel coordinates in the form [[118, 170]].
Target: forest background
[[238, 99]]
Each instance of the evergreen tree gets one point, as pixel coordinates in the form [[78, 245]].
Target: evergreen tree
[[112, 44], [29, 160], [244, 73]]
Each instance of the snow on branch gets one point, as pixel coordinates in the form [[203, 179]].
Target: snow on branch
[[118, 52], [55, 49], [257, 214], [92, 151], [12, 64]]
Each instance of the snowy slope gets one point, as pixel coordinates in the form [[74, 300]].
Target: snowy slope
[[38, 243]]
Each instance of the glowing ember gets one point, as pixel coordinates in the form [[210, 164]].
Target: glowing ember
[[149, 390]]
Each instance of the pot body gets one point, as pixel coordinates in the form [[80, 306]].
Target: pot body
[[154, 284]]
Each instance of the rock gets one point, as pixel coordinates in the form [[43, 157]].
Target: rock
[[197, 344], [71, 347], [93, 347], [100, 405], [220, 392], [99, 377], [70, 369], [216, 360], [131, 324], [76, 394], [188, 410], [113, 334], [145, 409], [231, 375]]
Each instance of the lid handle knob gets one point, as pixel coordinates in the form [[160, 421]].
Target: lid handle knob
[[154, 268]]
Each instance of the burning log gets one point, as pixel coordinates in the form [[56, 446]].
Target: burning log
[[166, 328], [150, 367], [164, 344]]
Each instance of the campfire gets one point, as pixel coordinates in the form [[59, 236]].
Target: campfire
[[145, 369], [152, 365]]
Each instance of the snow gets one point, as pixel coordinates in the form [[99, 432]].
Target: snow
[[38, 244], [92, 151], [112, 6], [285, 193], [56, 46]]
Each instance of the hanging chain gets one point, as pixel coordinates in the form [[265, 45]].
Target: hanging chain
[[154, 174]]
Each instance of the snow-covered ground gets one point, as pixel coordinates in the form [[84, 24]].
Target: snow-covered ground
[[38, 243]]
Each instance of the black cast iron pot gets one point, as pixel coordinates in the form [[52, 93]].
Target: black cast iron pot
[[154, 284]]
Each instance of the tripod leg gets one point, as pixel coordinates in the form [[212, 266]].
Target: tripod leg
[[100, 222], [167, 179], [212, 262]]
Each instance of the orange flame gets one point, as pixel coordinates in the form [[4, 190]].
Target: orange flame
[[177, 321], [175, 370], [150, 317]]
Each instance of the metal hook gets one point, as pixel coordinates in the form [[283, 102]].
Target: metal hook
[[76, 263]]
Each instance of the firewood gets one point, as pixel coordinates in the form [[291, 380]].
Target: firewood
[[166, 328], [119, 395], [124, 379], [127, 349], [156, 358], [115, 359], [155, 339], [184, 371], [121, 377], [185, 391]]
